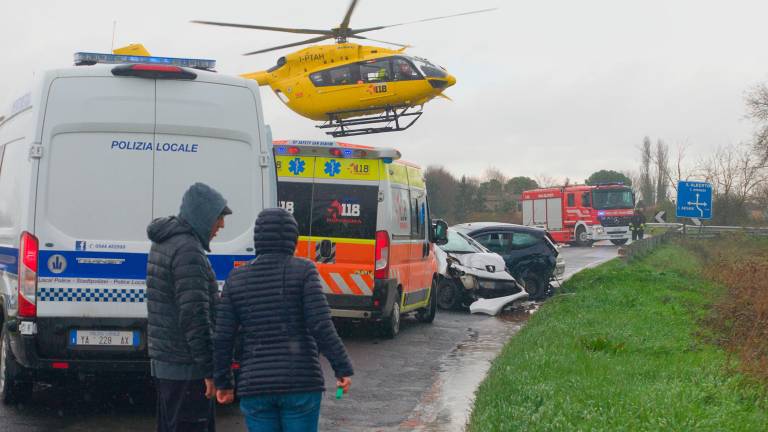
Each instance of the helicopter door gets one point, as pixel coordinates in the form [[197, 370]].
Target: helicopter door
[[295, 181]]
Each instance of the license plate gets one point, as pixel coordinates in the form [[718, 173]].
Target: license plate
[[104, 338]]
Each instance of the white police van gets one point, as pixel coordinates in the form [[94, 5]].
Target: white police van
[[87, 160]]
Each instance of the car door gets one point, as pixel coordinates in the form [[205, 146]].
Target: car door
[[499, 242]]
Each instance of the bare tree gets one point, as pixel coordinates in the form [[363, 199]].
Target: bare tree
[[647, 186], [662, 171], [736, 174], [493, 173], [757, 108], [546, 181]]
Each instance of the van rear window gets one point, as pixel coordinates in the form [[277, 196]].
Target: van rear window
[[344, 210]]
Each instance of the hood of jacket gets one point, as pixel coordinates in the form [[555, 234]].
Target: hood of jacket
[[275, 231], [200, 207], [161, 229]]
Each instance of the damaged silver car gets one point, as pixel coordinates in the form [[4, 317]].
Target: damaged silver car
[[469, 272]]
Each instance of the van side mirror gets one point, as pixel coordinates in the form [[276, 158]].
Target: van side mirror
[[439, 232]]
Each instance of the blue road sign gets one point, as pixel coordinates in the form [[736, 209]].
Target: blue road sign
[[694, 200]]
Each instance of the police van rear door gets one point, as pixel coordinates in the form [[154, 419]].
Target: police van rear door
[[94, 201], [208, 132]]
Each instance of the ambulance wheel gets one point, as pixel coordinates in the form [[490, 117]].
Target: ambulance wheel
[[448, 295], [427, 315], [12, 388], [390, 326], [534, 286], [619, 242], [581, 238]]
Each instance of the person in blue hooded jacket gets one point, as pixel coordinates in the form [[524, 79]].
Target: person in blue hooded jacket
[[276, 305]]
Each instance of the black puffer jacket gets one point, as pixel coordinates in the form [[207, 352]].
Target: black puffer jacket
[[277, 305], [181, 294]]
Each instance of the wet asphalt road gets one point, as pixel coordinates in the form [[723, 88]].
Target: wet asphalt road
[[423, 380]]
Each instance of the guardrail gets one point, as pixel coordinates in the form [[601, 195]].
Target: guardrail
[[639, 248], [709, 231]]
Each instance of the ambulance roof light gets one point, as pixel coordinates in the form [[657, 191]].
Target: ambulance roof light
[[89, 58]]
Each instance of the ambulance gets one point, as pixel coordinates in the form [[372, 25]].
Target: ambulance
[[87, 159], [364, 221]]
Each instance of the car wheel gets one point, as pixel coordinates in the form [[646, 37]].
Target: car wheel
[[427, 315], [448, 295], [12, 389], [582, 237], [390, 326], [534, 286], [619, 242]]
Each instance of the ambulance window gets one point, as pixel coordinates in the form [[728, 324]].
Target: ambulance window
[[296, 198], [10, 185], [418, 217], [402, 212], [374, 71], [571, 200], [585, 199], [344, 210]]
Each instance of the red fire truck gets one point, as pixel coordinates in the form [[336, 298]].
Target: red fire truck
[[581, 214]]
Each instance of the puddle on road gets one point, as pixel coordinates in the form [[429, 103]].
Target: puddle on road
[[446, 406]]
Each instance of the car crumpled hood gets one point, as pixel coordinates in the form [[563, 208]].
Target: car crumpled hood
[[476, 264]]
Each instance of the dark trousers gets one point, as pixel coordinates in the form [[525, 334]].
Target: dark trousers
[[638, 234], [182, 407]]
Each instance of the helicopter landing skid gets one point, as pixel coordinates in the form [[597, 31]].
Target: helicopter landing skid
[[393, 119]]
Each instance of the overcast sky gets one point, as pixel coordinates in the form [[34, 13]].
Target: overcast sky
[[560, 88]]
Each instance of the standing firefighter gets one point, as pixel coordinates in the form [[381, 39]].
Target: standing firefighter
[[637, 225]]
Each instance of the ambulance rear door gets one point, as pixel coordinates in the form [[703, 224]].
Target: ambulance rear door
[[295, 181], [343, 226]]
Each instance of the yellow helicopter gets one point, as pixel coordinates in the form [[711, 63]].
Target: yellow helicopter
[[354, 89]]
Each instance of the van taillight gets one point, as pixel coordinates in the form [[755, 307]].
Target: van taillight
[[28, 260], [381, 270], [153, 71]]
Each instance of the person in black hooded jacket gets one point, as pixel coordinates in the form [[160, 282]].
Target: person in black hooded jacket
[[181, 295], [276, 305]]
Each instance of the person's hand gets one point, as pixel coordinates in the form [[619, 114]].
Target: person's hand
[[345, 383], [225, 396], [210, 390]]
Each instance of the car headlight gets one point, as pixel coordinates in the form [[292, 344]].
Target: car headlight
[[599, 229]]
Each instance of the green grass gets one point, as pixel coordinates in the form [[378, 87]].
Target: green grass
[[622, 349]]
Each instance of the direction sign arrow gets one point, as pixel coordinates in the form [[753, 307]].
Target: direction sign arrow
[[660, 216], [696, 221]]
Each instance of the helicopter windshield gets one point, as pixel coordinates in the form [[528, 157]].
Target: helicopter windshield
[[404, 70], [429, 69]]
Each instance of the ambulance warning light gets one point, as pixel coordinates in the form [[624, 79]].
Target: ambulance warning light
[[88, 58]]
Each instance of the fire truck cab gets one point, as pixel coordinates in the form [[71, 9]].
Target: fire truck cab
[[581, 214]]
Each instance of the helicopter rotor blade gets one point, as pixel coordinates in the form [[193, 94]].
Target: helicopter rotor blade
[[381, 41], [259, 27], [304, 42], [345, 23], [356, 31]]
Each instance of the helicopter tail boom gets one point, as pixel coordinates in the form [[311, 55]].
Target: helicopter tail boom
[[261, 77]]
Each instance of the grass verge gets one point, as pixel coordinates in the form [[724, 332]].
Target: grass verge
[[623, 349]]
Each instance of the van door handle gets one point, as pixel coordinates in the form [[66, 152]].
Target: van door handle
[[425, 250]]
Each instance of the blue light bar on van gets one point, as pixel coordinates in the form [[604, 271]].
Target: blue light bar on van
[[87, 58]]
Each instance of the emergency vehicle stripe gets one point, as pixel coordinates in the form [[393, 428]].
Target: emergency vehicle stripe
[[341, 283], [362, 284], [326, 288], [338, 240]]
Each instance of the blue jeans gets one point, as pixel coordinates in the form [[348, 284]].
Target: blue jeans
[[289, 412]]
